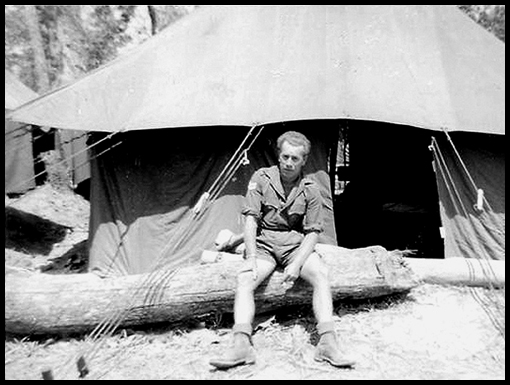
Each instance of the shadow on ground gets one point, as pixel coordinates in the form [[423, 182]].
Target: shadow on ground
[[31, 234]]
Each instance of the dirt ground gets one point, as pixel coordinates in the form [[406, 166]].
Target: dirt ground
[[432, 332]]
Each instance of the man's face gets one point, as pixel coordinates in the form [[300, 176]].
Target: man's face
[[291, 161]]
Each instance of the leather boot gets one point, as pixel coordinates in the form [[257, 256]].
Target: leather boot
[[241, 353], [327, 350]]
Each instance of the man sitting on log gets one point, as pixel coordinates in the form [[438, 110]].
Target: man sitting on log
[[283, 222]]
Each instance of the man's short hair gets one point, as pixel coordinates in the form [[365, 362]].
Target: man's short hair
[[296, 139]]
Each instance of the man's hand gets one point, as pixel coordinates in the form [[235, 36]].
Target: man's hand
[[223, 239], [290, 274]]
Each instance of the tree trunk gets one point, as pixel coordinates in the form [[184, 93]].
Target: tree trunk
[[154, 19], [41, 69], [72, 43], [67, 304]]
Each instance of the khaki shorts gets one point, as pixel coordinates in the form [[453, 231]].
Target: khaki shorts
[[278, 247]]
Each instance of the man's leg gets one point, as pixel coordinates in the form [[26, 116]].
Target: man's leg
[[244, 303], [244, 313], [315, 272]]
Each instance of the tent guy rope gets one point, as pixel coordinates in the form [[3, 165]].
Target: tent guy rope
[[163, 270], [490, 304], [477, 190]]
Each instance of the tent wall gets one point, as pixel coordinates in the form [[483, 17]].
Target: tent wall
[[19, 164], [144, 190], [469, 232], [73, 145]]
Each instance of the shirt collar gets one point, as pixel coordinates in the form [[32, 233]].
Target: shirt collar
[[273, 173]]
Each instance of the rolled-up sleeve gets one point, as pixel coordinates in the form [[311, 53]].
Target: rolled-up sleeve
[[313, 222], [253, 199]]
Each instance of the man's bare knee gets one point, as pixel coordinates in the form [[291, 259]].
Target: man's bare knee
[[245, 281], [316, 272], [321, 273]]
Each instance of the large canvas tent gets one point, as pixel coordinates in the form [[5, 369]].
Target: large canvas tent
[[201, 84]]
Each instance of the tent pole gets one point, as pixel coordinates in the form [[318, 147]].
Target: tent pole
[[332, 159]]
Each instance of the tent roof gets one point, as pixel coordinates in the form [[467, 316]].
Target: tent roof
[[16, 93], [422, 65]]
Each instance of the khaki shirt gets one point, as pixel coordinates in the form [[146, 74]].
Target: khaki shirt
[[266, 201]]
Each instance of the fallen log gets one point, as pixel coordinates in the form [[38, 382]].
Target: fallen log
[[459, 271], [38, 303]]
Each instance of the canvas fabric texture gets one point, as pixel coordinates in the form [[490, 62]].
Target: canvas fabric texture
[[470, 232], [19, 163]]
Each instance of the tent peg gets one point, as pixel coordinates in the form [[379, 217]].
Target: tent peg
[[47, 374], [82, 367], [479, 200]]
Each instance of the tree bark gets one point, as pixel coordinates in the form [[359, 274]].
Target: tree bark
[[40, 63], [70, 49], [72, 40], [69, 304], [154, 19]]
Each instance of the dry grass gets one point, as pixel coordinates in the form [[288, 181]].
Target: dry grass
[[435, 332]]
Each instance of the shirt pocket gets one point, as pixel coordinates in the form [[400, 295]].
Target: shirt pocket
[[296, 213], [298, 207], [270, 199]]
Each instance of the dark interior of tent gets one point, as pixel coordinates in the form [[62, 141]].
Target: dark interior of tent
[[386, 191]]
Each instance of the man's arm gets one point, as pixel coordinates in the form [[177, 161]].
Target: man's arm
[[312, 226], [307, 247], [226, 240], [250, 234]]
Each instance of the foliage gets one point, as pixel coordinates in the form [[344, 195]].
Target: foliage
[[491, 17], [108, 32], [167, 14], [47, 25], [86, 36], [17, 49]]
